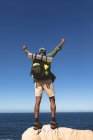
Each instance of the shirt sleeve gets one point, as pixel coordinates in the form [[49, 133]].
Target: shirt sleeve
[[55, 51]]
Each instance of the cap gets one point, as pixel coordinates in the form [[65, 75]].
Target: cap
[[42, 50]]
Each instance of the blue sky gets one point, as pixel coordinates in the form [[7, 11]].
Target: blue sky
[[43, 24]]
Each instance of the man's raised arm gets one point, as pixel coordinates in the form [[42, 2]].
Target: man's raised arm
[[59, 46], [27, 52]]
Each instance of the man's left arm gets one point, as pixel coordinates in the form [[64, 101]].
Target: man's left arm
[[27, 52], [58, 47]]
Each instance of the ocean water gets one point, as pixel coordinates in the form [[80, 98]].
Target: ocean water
[[12, 125]]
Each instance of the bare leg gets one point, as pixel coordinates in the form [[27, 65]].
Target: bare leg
[[52, 107], [53, 123], [36, 108]]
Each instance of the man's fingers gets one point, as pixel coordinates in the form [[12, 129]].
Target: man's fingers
[[63, 40], [24, 47]]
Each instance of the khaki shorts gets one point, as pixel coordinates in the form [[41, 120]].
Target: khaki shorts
[[46, 85]]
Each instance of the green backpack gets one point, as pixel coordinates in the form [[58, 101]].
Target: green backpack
[[41, 70]]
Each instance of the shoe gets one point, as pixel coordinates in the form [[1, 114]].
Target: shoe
[[37, 125], [53, 125]]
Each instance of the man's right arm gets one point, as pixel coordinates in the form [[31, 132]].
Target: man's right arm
[[57, 49]]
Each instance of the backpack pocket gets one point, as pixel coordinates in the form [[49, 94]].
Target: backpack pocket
[[36, 69]]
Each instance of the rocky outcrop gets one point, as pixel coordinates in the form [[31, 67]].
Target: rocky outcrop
[[61, 133]]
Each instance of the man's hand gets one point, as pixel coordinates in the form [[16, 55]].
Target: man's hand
[[62, 42], [24, 47]]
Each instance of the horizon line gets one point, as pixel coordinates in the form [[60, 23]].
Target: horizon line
[[50, 112]]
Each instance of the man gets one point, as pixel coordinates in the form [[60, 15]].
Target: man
[[43, 80]]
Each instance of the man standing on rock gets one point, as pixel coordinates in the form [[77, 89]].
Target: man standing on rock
[[43, 80]]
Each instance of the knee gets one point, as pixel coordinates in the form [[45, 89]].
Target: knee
[[38, 100], [52, 100]]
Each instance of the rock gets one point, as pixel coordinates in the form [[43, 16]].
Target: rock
[[61, 133]]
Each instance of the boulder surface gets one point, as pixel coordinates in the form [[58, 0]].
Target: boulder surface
[[62, 133]]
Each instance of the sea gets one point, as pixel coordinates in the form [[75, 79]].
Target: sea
[[12, 125]]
